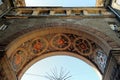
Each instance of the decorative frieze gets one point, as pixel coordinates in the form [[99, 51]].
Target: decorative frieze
[[53, 42], [71, 12]]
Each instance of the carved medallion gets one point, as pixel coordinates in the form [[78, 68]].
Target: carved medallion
[[38, 45], [83, 46], [60, 42], [18, 58]]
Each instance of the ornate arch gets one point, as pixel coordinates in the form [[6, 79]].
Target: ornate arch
[[46, 40]]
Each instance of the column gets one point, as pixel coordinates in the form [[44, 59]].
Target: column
[[112, 71], [6, 72]]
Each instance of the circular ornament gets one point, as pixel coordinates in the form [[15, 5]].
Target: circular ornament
[[83, 46], [38, 45], [60, 42], [18, 58]]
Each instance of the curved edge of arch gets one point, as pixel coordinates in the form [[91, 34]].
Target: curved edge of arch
[[100, 38], [104, 41], [54, 54]]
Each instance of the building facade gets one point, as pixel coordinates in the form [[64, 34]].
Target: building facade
[[29, 34]]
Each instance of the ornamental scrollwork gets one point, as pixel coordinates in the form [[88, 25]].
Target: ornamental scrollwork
[[100, 59], [83, 46], [38, 45], [53, 42], [60, 42], [18, 58]]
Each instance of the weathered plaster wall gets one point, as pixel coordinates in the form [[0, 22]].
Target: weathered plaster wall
[[4, 6], [17, 25], [6, 72]]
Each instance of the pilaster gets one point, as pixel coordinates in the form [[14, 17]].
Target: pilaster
[[113, 66], [6, 72]]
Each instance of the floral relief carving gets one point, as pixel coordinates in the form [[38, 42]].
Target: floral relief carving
[[38, 45], [83, 46], [60, 42]]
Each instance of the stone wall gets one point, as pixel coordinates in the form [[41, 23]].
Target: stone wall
[[113, 66], [4, 7], [6, 72], [17, 25]]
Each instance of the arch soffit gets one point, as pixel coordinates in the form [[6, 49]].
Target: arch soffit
[[104, 41], [99, 38]]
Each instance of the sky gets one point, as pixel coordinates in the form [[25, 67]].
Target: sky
[[79, 70], [64, 3]]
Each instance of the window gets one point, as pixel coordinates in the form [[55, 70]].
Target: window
[[3, 27]]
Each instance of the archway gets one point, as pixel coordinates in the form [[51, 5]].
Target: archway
[[41, 42], [51, 67]]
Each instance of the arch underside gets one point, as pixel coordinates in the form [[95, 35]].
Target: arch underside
[[41, 43]]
